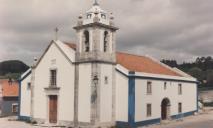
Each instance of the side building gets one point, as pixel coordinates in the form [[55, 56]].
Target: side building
[[9, 97]]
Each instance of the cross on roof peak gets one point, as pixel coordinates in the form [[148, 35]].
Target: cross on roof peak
[[96, 3], [56, 33]]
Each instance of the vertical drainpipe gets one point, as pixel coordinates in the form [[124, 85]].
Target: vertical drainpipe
[[131, 100], [32, 89], [197, 96], [76, 87], [19, 99]]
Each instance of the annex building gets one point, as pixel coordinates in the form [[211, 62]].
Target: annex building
[[90, 84]]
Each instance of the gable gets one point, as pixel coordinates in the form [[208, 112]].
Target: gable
[[67, 52]]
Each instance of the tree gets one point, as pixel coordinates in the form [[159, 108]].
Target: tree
[[197, 73], [12, 68]]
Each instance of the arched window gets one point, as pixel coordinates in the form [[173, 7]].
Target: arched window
[[106, 41], [86, 41], [103, 16], [89, 16]]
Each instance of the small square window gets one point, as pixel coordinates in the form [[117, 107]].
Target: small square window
[[105, 80], [15, 108], [28, 86]]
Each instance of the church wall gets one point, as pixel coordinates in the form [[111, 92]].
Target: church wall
[[54, 59], [158, 94], [106, 93], [25, 97], [84, 96], [121, 97]]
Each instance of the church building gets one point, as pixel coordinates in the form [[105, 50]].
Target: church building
[[90, 84]]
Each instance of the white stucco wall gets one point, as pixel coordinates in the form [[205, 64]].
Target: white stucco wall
[[65, 81], [84, 96], [106, 93], [25, 97], [188, 98], [121, 97]]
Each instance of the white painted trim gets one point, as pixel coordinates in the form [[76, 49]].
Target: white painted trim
[[25, 73], [142, 74]]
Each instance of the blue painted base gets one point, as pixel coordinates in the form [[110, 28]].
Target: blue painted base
[[120, 124], [24, 118]]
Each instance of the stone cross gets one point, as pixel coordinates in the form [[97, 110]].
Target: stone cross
[[56, 33], [96, 2]]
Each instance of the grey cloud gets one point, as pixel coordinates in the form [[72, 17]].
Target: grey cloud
[[175, 29]]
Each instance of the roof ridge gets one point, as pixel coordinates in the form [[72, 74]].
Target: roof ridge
[[131, 54]]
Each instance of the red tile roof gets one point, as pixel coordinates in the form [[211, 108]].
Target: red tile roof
[[9, 90], [143, 64], [139, 63], [71, 45]]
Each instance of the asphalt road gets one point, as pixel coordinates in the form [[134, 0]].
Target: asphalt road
[[204, 120]]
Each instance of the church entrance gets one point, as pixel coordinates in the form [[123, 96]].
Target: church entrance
[[53, 108], [165, 109]]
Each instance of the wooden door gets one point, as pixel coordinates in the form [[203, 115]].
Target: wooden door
[[53, 109], [163, 112]]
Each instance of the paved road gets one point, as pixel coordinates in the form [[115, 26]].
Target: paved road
[[4, 123], [204, 120]]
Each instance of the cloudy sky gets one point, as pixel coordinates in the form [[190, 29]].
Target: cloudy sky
[[171, 29]]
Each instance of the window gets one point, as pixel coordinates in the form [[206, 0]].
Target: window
[[106, 41], [148, 110], [52, 77], [103, 16], [149, 87], [106, 80], [165, 85], [89, 16], [15, 108], [179, 89], [179, 107], [10, 81], [86, 41], [28, 86]]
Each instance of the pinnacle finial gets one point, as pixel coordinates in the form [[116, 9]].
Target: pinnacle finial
[[96, 3]]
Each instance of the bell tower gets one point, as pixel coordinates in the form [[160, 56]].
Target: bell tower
[[95, 60], [96, 36]]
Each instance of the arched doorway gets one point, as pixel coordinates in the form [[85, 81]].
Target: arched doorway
[[165, 109]]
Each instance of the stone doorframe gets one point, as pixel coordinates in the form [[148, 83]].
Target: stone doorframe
[[165, 109], [52, 91]]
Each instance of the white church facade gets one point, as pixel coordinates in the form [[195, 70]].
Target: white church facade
[[90, 84]]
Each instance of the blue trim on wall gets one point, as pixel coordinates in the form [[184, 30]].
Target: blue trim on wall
[[24, 118], [131, 100], [197, 96], [148, 122], [121, 124]]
